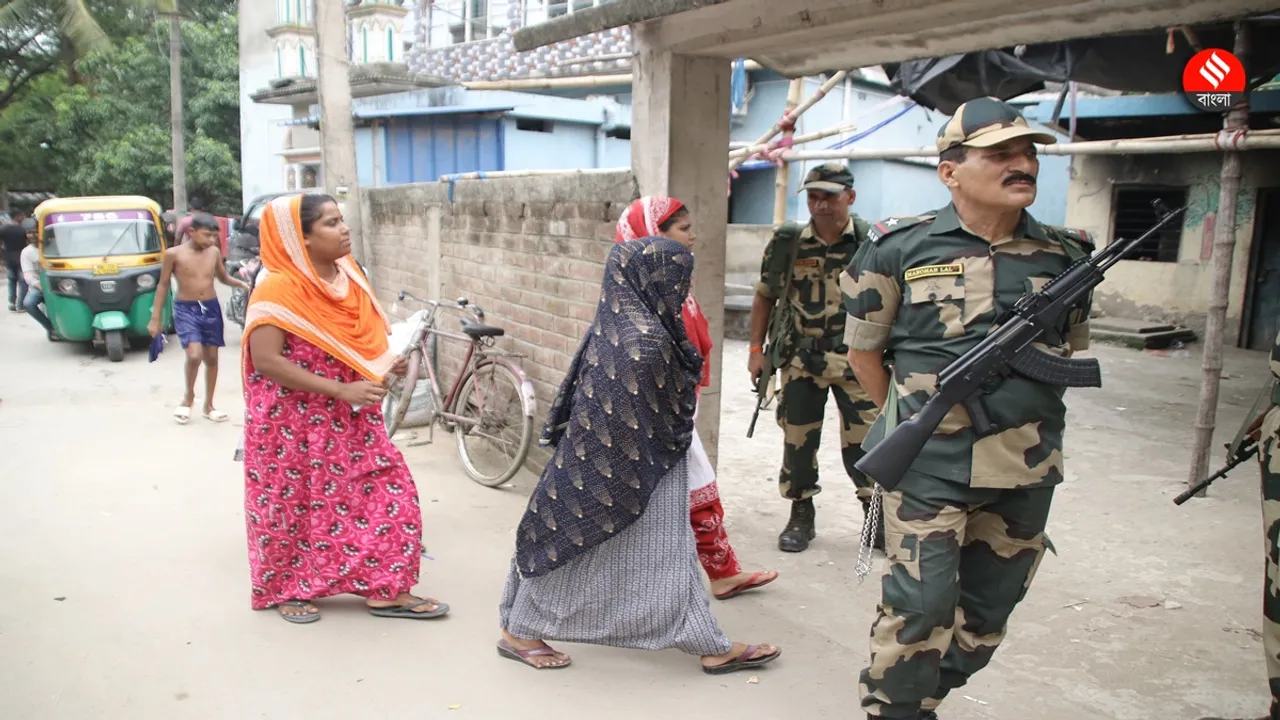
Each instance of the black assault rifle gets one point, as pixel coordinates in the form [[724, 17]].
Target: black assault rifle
[[1247, 449], [1007, 349]]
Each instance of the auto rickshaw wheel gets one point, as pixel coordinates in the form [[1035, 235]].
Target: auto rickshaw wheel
[[115, 345]]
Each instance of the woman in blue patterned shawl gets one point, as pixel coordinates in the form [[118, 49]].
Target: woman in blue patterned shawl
[[604, 552]]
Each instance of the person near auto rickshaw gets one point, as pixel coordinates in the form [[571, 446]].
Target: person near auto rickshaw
[[197, 315], [29, 261]]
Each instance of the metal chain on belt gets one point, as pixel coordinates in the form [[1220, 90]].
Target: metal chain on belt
[[869, 527]]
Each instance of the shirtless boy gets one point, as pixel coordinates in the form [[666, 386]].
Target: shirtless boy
[[197, 316]]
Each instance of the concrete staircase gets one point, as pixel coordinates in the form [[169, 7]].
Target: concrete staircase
[[1138, 334]]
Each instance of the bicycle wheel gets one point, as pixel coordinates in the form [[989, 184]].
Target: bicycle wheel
[[499, 405], [396, 402]]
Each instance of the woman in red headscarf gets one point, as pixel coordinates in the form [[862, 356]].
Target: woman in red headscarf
[[667, 217]]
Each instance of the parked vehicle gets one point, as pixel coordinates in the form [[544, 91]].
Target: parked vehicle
[[100, 260]]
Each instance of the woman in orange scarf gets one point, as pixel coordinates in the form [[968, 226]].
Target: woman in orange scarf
[[653, 216], [330, 505]]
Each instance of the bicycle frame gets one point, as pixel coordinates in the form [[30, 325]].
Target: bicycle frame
[[470, 363]]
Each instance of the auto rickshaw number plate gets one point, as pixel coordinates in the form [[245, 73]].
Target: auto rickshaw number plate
[[106, 269]]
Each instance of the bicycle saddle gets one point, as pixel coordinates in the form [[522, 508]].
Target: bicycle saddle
[[477, 330]]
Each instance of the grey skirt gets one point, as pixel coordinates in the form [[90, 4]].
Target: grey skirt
[[642, 589]]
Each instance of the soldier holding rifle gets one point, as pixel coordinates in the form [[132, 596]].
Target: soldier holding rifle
[[802, 267], [964, 525]]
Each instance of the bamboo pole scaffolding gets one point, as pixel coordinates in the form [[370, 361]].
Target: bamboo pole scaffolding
[[1224, 245], [741, 148], [1171, 145], [788, 119], [782, 175]]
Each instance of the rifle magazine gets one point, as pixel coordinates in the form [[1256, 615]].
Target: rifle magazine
[[1053, 370]]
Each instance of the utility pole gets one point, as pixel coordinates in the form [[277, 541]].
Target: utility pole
[[175, 110], [337, 131], [1224, 246]]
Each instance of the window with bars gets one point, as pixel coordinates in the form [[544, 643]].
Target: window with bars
[[1133, 215]]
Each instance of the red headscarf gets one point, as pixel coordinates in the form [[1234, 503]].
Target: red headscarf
[[644, 218]]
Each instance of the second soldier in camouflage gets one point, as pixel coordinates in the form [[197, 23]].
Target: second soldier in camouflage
[[815, 362]]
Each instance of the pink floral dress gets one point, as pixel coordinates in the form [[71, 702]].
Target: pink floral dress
[[330, 505]]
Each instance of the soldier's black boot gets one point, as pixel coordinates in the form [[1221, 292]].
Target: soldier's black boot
[[928, 715], [878, 542], [799, 531]]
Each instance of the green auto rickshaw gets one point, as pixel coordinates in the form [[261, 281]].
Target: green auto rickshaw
[[100, 260]]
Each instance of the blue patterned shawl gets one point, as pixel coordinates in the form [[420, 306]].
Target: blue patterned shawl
[[624, 414]]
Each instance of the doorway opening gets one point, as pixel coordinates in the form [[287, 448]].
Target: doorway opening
[[1262, 294]]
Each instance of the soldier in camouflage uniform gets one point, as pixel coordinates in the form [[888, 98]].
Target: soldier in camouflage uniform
[[822, 249], [1269, 461], [964, 530]]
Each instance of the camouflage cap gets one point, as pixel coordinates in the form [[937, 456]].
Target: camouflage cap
[[832, 177], [986, 121]]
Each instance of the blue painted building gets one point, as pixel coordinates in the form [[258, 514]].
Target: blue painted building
[[421, 135]]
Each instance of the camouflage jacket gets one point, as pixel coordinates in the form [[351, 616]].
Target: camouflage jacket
[[815, 292], [1271, 424], [925, 290]]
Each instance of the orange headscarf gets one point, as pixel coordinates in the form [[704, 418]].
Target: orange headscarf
[[342, 318]]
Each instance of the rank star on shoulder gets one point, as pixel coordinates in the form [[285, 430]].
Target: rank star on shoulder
[[890, 222]]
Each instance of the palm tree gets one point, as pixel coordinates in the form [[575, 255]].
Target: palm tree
[[77, 22], [85, 35]]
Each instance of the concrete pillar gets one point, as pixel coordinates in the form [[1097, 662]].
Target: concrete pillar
[[337, 130], [679, 132]]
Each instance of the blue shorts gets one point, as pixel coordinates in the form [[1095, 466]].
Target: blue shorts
[[198, 321]]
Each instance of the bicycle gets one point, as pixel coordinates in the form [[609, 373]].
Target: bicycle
[[474, 407]]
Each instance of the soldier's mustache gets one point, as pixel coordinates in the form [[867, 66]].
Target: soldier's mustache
[[1020, 177]]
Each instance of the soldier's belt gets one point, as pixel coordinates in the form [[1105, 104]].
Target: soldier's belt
[[821, 344]]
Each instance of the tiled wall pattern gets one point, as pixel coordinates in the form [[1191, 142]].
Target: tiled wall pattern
[[497, 59]]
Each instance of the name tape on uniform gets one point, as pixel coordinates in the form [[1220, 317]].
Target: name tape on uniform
[[933, 271], [807, 263]]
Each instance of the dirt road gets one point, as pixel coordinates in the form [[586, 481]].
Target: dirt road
[[124, 589]]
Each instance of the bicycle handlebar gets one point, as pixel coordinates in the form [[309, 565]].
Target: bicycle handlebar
[[461, 304]]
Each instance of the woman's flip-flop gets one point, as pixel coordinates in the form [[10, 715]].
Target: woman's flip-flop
[[752, 583], [406, 611], [506, 650], [739, 663], [300, 619], [182, 414]]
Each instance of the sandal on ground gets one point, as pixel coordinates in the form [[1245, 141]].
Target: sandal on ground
[[506, 650], [742, 663], [215, 416], [301, 619], [752, 583], [407, 611], [182, 414]]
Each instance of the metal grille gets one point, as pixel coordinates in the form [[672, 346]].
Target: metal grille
[[1134, 216]]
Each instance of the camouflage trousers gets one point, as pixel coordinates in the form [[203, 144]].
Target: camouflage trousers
[[802, 406], [1269, 459], [959, 560]]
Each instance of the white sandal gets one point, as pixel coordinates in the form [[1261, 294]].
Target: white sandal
[[216, 416], [182, 414]]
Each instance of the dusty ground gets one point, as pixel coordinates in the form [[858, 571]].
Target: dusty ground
[[124, 590]]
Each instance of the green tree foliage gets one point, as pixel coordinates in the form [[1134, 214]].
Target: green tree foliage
[[104, 128]]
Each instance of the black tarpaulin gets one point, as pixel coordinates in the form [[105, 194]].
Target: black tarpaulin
[[1134, 62]]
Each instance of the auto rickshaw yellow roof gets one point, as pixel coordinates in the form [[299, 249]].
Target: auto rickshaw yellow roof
[[94, 203]]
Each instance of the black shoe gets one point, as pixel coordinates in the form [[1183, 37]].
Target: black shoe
[[878, 542], [928, 715], [799, 531]]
